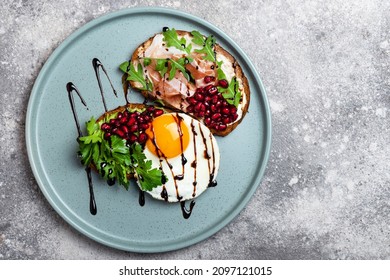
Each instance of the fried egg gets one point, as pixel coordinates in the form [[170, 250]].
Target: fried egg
[[187, 153]]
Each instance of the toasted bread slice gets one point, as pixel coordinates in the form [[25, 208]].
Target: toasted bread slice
[[160, 66]]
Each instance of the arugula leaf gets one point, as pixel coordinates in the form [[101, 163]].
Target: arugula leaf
[[172, 40], [231, 94], [208, 45], [198, 38], [178, 65], [147, 61], [221, 75], [136, 75], [162, 66]]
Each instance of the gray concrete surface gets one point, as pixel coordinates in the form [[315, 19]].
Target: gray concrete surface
[[326, 191]]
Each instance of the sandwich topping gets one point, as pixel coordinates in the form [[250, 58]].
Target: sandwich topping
[[176, 66]]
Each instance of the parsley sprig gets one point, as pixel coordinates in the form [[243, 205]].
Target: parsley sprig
[[115, 160]]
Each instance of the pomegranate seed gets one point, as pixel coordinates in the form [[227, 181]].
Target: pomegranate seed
[[120, 133], [213, 90], [190, 109], [226, 120], [107, 135], [142, 138], [218, 104], [233, 110], [150, 109], [225, 110], [221, 127], [133, 128], [201, 114], [126, 114], [199, 97], [119, 116], [223, 83], [147, 118], [216, 116], [144, 126], [141, 119], [134, 115], [131, 121], [207, 99], [112, 121], [105, 127], [198, 106], [207, 113], [208, 79], [192, 100], [200, 90], [235, 116], [124, 129], [123, 120], [158, 112], [224, 103], [133, 138], [207, 121], [202, 107], [214, 99], [207, 88], [213, 108]]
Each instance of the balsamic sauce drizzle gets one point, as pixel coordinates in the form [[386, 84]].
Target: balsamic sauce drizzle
[[141, 198], [212, 182], [92, 201], [194, 163], [70, 87], [96, 65], [187, 212]]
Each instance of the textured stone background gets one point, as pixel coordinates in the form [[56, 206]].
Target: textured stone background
[[325, 194]]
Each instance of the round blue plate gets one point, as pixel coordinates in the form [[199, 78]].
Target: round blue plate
[[120, 221]]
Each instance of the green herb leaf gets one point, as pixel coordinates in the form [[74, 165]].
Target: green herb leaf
[[208, 45], [198, 38], [148, 177], [220, 73], [136, 75], [231, 94], [172, 40], [147, 61], [178, 65], [162, 66]]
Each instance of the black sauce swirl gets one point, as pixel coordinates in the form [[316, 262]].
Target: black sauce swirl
[[96, 66], [70, 87], [187, 212]]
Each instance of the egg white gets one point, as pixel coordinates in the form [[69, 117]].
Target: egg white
[[181, 190]]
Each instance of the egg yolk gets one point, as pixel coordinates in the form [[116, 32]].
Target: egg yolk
[[170, 134]]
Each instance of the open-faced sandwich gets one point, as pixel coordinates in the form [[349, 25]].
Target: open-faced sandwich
[[192, 73], [172, 156]]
